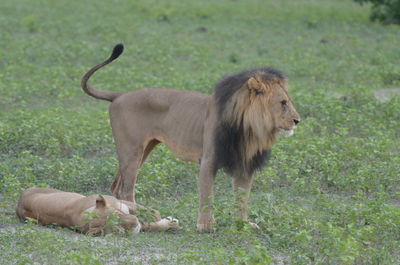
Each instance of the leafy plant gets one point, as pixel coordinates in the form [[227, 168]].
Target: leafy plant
[[386, 11]]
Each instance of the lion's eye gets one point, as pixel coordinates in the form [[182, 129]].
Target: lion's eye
[[284, 102]]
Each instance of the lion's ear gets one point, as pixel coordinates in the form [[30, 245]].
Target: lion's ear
[[253, 83], [256, 85], [101, 202]]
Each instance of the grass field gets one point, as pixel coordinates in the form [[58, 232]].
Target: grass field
[[329, 195]]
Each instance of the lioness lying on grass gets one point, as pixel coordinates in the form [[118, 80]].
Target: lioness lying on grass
[[92, 215]]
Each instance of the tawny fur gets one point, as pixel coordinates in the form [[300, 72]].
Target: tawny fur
[[233, 128]]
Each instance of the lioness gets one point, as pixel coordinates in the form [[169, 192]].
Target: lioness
[[234, 128], [88, 215]]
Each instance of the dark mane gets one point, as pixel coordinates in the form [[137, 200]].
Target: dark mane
[[230, 138], [229, 153]]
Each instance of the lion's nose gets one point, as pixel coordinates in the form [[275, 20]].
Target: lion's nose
[[296, 121]]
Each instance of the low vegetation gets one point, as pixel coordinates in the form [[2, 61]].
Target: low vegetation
[[329, 195]]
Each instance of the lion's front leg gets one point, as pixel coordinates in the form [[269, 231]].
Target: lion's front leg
[[205, 221], [242, 187]]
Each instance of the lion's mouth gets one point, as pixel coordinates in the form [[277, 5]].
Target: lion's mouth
[[287, 132]]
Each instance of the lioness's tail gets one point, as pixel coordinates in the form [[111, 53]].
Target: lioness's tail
[[100, 94]]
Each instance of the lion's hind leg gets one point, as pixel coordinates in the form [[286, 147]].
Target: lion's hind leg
[[131, 158], [124, 184], [147, 150], [116, 183]]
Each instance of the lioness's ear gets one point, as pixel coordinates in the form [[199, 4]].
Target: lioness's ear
[[101, 202]]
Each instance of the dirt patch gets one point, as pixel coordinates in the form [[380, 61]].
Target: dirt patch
[[386, 94], [9, 227]]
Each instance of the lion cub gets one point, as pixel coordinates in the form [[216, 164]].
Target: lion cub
[[88, 214]]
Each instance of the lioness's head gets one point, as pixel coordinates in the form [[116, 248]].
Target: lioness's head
[[106, 219]]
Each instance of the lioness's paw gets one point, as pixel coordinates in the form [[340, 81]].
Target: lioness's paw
[[254, 226], [172, 220], [169, 223]]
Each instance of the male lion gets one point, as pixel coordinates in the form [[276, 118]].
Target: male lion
[[88, 215], [233, 129]]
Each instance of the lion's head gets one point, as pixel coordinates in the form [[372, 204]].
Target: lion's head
[[254, 107]]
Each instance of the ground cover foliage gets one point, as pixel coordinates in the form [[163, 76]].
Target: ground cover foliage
[[330, 194]]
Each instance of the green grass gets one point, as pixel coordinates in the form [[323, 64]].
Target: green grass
[[330, 194]]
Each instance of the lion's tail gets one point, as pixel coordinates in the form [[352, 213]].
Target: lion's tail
[[100, 94]]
